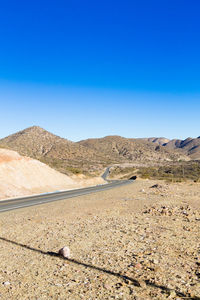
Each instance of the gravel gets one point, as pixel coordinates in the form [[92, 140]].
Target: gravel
[[144, 249]]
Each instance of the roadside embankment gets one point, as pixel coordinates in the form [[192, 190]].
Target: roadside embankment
[[21, 176]]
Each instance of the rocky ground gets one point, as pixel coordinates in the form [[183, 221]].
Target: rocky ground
[[140, 241]]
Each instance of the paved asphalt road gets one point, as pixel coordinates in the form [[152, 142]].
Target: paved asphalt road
[[105, 174], [16, 203]]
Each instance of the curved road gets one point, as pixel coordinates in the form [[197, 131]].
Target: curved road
[[16, 203], [105, 174]]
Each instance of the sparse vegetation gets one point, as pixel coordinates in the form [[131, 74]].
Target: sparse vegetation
[[122, 172], [178, 172], [63, 155], [89, 157], [74, 170], [174, 172]]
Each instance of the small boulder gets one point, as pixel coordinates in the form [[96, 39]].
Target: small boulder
[[64, 252]]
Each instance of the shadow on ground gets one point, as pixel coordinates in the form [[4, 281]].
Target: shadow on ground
[[126, 279]]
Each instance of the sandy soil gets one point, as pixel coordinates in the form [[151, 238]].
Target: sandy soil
[[21, 176], [132, 242]]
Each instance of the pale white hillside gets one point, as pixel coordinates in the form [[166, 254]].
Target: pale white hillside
[[20, 176]]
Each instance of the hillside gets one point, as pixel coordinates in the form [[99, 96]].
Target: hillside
[[22, 175], [25, 176], [161, 141], [59, 153], [92, 155], [189, 146], [131, 150]]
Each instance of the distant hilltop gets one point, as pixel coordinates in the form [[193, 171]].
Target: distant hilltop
[[189, 146]]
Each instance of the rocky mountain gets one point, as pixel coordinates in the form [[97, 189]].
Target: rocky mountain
[[189, 146], [59, 153], [131, 150], [160, 141], [92, 155]]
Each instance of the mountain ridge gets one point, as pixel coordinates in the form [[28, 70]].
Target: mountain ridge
[[57, 152], [92, 155], [189, 146]]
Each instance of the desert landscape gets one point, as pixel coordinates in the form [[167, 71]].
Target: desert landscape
[[100, 150], [91, 155], [140, 241]]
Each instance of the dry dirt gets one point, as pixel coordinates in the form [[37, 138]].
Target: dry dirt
[[21, 176], [132, 242]]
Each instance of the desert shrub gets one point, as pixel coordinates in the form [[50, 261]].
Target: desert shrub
[[74, 170]]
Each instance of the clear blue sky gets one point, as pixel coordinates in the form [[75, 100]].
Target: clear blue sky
[[94, 68]]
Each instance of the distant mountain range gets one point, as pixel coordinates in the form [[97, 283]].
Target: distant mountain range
[[92, 155], [189, 146], [131, 150]]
